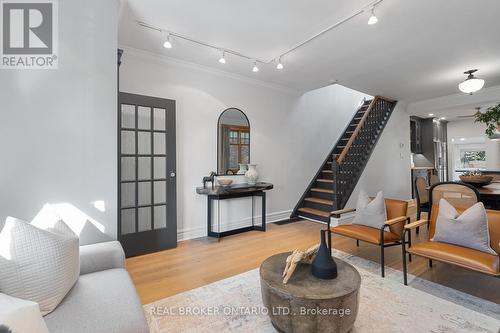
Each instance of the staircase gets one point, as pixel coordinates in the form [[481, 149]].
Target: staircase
[[334, 182]]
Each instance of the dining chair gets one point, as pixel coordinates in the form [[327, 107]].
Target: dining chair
[[422, 195], [434, 179]]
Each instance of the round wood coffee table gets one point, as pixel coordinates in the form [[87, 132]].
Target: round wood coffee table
[[306, 303]]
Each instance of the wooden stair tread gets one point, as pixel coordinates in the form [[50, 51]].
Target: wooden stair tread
[[313, 211], [322, 190], [324, 180], [319, 200]]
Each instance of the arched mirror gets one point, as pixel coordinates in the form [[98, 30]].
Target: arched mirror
[[233, 142]]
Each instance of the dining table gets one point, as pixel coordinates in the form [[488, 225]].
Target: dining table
[[489, 195]]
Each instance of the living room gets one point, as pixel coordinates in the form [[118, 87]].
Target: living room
[[158, 155]]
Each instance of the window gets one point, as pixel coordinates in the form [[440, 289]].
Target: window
[[239, 147]]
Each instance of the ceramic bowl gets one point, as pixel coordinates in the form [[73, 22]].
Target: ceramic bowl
[[224, 181], [477, 181]]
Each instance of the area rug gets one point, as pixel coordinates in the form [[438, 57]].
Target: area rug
[[385, 305]]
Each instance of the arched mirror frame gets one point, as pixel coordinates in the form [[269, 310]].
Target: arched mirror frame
[[219, 168]]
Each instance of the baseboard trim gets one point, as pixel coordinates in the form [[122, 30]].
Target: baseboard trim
[[201, 231]]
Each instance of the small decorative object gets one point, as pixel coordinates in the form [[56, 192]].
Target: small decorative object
[[209, 179], [323, 266], [475, 178], [252, 175], [224, 181], [243, 169], [491, 118], [297, 256]]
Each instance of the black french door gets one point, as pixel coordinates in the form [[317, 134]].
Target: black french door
[[147, 217]]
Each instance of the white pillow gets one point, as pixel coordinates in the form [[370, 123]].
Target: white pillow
[[370, 213], [21, 316], [469, 229], [37, 265]]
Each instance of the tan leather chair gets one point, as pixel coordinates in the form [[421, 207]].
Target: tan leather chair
[[391, 232], [461, 196]]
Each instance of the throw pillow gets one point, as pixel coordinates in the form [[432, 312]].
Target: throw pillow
[[468, 230], [37, 265], [370, 213], [20, 316]]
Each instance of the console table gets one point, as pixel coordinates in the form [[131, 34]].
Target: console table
[[231, 192]]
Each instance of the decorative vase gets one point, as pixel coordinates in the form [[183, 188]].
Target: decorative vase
[[243, 169], [323, 266], [252, 175]]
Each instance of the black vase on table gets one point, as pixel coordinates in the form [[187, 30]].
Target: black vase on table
[[323, 266]]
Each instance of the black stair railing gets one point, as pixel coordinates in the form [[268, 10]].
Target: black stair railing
[[348, 166]]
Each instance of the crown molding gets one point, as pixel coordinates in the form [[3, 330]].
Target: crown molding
[[160, 58]]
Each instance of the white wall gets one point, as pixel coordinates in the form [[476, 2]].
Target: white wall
[[290, 134], [58, 127]]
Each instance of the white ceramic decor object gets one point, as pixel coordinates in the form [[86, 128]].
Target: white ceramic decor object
[[252, 175], [242, 170]]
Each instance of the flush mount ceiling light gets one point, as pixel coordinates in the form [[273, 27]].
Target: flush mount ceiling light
[[471, 84], [431, 114], [370, 7], [222, 59], [167, 44], [373, 19], [255, 69]]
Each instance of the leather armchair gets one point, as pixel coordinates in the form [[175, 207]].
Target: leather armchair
[[390, 234], [453, 254]]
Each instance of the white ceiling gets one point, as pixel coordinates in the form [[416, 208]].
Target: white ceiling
[[418, 50]]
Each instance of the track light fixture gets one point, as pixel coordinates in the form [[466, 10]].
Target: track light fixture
[[279, 65], [167, 44], [373, 19], [222, 59], [255, 69], [168, 35]]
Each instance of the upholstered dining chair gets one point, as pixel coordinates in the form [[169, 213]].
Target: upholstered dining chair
[[461, 196], [390, 234], [434, 180], [422, 196]]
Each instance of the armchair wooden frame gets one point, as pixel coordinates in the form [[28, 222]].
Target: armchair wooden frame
[[382, 244]]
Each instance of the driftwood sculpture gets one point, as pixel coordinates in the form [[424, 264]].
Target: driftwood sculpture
[[297, 257]]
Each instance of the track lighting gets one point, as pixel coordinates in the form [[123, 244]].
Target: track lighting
[[222, 59], [255, 69], [373, 19], [471, 84], [279, 65], [167, 44]]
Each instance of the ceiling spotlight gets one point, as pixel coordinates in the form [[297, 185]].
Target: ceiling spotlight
[[255, 69], [279, 65], [373, 19], [431, 114], [167, 44], [222, 59], [443, 118], [471, 84]]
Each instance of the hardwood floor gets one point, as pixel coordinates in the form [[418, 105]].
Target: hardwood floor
[[198, 262]]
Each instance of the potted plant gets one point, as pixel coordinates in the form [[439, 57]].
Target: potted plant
[[491, 118]]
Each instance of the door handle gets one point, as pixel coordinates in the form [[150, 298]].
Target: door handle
[[172, 174]]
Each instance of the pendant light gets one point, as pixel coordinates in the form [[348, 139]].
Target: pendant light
[[471, 84]]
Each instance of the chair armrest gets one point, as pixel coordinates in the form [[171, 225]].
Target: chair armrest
[[337, 213], [395, 221], [101, 256], [415, 224]]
